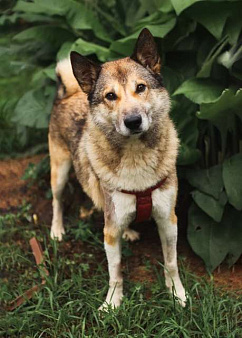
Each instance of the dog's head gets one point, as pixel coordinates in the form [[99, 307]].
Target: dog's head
[[126, 96]]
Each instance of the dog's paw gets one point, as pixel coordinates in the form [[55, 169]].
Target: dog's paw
[[57, 233], [180, 294], [105, 307], [130, 235], [114, 297], [112, 305]]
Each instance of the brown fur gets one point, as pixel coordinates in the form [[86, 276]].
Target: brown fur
[[110, 231], [58, 154], [173, 217]]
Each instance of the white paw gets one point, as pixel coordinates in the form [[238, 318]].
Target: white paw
[[179, 292], [105, 307], [57, 233], [181, 296], [130, 235], [114, 297], [113, 304]]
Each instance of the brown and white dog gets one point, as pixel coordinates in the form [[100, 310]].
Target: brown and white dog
[[112, 121]]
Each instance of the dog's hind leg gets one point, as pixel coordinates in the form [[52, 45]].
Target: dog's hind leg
[[60, 161], [131, 235]]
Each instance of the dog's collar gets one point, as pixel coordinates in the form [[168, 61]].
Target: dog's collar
[[144, 201]]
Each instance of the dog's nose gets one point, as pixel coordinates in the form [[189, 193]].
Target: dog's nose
[[133, 122]]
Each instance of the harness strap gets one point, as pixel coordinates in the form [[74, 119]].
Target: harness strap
[[144, 201]]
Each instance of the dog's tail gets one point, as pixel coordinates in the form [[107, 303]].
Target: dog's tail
[[66, 82]]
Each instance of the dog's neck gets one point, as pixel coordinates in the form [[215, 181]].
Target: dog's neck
[[134, 163]]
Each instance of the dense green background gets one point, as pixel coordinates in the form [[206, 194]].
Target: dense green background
[[200, 45]]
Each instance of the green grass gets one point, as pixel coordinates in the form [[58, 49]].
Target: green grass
[[67, 305]]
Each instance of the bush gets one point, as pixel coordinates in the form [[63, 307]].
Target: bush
[[200, 45]]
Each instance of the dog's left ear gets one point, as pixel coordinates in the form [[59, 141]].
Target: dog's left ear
[[146, 53]]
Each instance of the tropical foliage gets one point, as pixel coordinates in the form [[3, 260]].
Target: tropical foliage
[[200, 44]]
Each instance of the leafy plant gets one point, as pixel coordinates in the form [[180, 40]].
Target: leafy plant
[[37, 171], [200, 44]]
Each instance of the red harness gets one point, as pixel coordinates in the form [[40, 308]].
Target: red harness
[[144, 201]]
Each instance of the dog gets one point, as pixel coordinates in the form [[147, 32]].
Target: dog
[[112, 122]]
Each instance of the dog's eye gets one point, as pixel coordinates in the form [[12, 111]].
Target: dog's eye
[[140, 88], [111, 96]]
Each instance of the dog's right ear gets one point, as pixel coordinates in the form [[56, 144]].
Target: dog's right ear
[[146, 52], [85, 71]]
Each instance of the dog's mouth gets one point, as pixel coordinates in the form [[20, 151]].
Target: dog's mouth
[[129, 133], [136, 132]]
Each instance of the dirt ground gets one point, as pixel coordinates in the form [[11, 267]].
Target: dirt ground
[[14, 191]]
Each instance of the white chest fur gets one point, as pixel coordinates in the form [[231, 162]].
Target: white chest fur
[[136, 171]]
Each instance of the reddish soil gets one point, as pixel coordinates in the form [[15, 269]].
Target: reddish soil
[[14, 191]]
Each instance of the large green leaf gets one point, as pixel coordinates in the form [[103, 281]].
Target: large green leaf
[[171, 79], [232, 221], [200, 90], [78, 15], [81, 17], [179, 36], [206, 237], [180, 5], [152, 6], [212, 15], [221, 112], [209, 205], [85, 48], [164, 6], [29, 17], [187, 155], [213, 242], [183, 115], [65, 50], [49, 7], [211, 58], [234, 23], [45, 73], [232, 176], [186, 124], [237, 100], [134, 11], [155, 19], [125, 46], [53, 35], [228, 58], [34, 108], [208, 181]]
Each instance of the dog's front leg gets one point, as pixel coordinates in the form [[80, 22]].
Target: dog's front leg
[[112, 245], [166, 220], [119, 212], [168, 235]]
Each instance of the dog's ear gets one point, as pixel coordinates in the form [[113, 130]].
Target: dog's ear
[[145, 52], [85, 71]]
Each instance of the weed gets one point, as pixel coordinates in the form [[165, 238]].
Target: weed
[[67, 305]]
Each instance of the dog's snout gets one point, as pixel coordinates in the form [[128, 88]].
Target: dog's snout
[[133, 122]]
